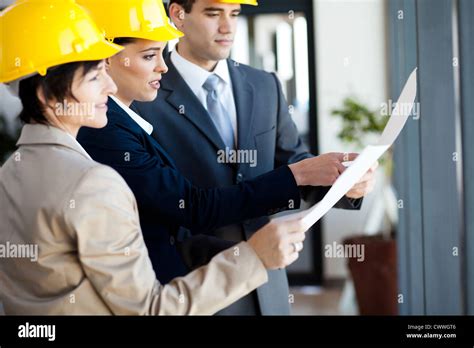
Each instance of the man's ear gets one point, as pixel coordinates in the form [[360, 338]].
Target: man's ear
[[177, 15], [107, 63]]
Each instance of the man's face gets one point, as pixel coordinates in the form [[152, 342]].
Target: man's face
[[209, 29]]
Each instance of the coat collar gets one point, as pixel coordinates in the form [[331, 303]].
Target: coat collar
[[194, 75], [182, 98], [118, 116], [146, 126], [40, 134]]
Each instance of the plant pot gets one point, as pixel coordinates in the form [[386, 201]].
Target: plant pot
[[375, 278]]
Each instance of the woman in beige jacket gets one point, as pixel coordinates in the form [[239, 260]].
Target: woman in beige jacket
[[70, 239]]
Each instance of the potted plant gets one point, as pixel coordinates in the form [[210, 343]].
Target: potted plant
[[375, 279]]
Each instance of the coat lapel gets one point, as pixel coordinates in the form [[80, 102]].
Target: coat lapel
[[244, 101], [40, 134], [119, 116], [182, 98]]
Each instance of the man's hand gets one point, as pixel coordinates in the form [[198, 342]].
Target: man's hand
[[322, 170], [365, 185]]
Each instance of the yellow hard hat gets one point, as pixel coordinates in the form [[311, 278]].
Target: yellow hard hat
[[243, 2], [39, 34], [143, 19]]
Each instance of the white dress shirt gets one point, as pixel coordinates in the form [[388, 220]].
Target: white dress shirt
[[195, 77], [147, 127]]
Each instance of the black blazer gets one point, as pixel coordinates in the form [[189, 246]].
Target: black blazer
[[167, 200]]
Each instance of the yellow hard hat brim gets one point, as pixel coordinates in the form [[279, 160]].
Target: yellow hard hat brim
[[141, 19], [97, 51], [164, 33], [242, 2], [46, 33]]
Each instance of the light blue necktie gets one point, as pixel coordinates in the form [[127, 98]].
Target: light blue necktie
[[218, 113]]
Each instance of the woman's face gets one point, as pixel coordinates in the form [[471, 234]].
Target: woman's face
[[137, 70], [87, 104]]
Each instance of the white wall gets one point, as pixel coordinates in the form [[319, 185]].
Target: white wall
[[5, 3], [10, 106], [351, 60]]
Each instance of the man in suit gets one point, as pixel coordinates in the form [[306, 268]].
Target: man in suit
[[234, 119]]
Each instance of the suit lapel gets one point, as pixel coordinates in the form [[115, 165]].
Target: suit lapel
[[119, 116], [244, 102], [162, 151], [182, 98]]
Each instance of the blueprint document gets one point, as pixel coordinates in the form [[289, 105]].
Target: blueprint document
[[364, 161]]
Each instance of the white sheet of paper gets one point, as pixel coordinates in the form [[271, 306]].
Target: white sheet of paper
[[364, 161], [401, 112]]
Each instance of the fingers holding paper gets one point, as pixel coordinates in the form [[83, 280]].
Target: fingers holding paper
[[365, 185], [322, 170], [279, 242]]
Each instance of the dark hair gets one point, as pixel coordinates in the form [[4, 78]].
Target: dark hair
[[55, 85], [124, 40], [186, 4]]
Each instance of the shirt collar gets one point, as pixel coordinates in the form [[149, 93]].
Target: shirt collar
[[146, 126], [194, 75], [222, 70]]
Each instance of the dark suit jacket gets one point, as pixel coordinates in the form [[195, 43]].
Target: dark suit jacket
[[264, 124], [166, 200]]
